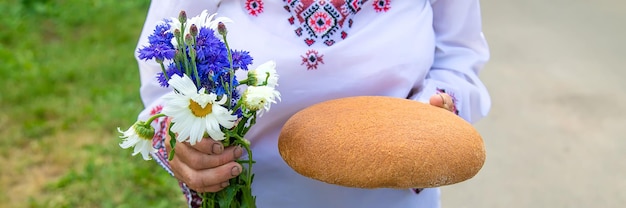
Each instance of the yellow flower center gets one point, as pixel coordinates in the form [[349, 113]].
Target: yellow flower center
[[198, 110]]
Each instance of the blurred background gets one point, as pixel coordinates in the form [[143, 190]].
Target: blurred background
[[556, 135], [69, 79]]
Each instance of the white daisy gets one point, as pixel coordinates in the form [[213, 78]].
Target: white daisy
[[140, 137], [202, 20], [260, 97], [194, 112], [266, 71]]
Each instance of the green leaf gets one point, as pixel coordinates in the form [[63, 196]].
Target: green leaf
[[172, 143], [227, 195]]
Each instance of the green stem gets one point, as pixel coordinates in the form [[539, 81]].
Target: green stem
[[245, 161], [250, 162], [154, 117], [181, 47], [252, 122], [239, 105], [208, 200], [192, 51], [167, 77], [231, 72], [244, 82]]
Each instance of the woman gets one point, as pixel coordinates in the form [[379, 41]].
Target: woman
[[423, 50]]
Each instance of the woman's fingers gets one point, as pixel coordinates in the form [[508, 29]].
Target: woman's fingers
[[209, 146], [206, 166], [442, 100], [206, 180], [197, 160]]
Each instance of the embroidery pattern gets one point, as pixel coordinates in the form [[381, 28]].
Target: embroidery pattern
[[312, 59], [155, 110], [381, 5], [254, 7], [418, 190], [322, 20]]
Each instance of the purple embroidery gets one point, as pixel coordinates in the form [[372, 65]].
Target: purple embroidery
[[454, 100]]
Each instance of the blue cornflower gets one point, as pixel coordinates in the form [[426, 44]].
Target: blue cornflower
[[209, 48], [211, 59], [241, 59], [160, 47], [219, 81], [161, 34], [209, 74], [159, 51], [236, 96], [171, 70], [205, 74]]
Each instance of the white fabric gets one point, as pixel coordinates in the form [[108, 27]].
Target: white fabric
[[409, 51]]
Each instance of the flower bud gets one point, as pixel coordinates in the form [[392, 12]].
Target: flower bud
[[192, 51], [189, 39], [264, 75], [177, 33], [193, 30], [252, 78], [144, 130], [182, 16], [221, 29]]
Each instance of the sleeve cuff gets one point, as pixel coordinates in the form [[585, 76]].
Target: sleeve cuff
[[471, 99]]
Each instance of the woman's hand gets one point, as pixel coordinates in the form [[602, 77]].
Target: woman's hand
[[206, 166], [444, 101]]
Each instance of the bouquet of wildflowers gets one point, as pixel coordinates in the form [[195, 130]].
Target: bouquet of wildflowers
[[207, 100]]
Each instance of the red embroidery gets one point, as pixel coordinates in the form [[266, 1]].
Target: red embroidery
[[309, 41], [381, 5], [322, 19], [156, 109], [312, 59], [355, 6], [299, 32], [325, 21], [321, 22], [254, 7]]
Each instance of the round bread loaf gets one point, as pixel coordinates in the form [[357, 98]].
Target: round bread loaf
[[381, 142]]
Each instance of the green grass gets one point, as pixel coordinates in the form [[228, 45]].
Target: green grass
[[69, 79]]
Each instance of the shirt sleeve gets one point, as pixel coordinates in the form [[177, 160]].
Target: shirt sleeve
[[460, 53]]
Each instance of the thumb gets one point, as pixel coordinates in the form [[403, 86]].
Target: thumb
[[442, 100]]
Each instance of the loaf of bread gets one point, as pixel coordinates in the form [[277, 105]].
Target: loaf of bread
[[381, 142]]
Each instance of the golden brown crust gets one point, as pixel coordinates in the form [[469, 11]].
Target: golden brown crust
[[381, 142]]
